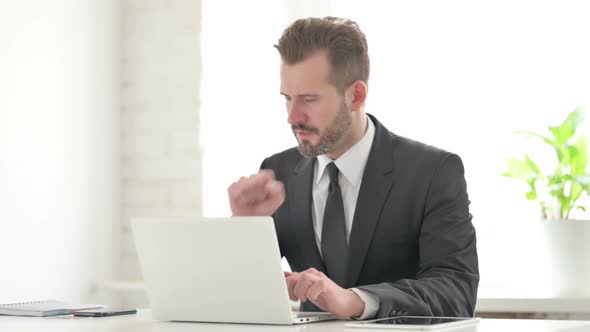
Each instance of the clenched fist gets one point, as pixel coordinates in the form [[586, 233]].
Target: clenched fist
[[257, 195]]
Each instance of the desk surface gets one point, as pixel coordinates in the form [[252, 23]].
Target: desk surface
[[144, 321], [561, 305], [570, 304]]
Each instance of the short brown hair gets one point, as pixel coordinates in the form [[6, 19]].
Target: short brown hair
[[344, 41]]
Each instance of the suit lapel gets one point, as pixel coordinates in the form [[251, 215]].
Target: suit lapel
[[375, 187], [300, 195]]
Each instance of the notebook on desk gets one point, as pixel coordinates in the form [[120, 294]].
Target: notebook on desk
[[43, 308]]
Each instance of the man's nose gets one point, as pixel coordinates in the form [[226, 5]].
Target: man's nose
[[296, 112]]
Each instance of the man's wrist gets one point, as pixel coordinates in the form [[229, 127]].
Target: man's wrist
[[357, 304], [371, 302]]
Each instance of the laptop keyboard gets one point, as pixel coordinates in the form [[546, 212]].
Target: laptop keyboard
[[305, 314]]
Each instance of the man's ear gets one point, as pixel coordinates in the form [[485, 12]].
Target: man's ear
[[358, 95]]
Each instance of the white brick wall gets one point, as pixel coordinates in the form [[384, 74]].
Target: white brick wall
[[160, 158], [59, 149]]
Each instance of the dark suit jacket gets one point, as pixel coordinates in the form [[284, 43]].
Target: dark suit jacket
[[412, 242]]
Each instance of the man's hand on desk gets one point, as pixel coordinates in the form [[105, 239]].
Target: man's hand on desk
[[257, 195], [316, 287]]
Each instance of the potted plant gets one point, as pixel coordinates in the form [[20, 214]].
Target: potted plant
[[561, 193], [564, 186]]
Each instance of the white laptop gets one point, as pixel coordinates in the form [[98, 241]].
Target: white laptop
[[225, 270]]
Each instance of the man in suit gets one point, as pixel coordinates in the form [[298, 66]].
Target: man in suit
[[371, 223]]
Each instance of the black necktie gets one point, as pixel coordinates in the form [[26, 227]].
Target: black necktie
[[334, 249]]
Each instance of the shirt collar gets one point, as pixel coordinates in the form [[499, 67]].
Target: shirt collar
[[352, 163]]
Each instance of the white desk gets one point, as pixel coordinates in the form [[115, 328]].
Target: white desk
[[554, 305], [484, 304], [145, 322]]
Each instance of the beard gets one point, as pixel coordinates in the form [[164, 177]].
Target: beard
[[329, 139]]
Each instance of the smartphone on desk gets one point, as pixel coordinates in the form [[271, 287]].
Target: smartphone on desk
[[104, 312]]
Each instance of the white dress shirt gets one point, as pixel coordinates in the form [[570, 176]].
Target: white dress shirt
[[351, 166]]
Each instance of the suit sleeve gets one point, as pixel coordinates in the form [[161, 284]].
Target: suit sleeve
[[266, 164], [448, 276]]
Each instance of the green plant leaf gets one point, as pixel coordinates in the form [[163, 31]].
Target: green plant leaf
[[531, 195], [561, 154], [575, 118], [532, 165], [580, 161], [558, 194], [555, 180], [576, 191], [519, 169], [571, 153], [564, 212], [567, 129], [561, 134], [533, 134]]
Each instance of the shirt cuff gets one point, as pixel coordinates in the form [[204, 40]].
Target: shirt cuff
[[295, 305], [371, 303]]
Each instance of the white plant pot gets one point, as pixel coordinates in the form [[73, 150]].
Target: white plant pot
[[567, 248]]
